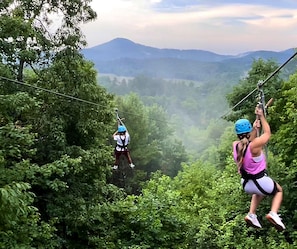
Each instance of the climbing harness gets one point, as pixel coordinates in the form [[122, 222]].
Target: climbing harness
[[246, 177]]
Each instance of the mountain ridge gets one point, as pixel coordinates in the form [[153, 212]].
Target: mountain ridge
[[123, 48], [124, 57]]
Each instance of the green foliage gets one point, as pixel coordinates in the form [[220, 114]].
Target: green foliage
[[151, 133], [18, 108], [200, 208], [63, 122], [259, 72], [219, 148], [56, 153], [219, 205], [152, 146], [190, 106], [60, 149], [283, 119], [194, 102], [151, 220], [28, 36], [72, 147], [16, 144], [21, 226]]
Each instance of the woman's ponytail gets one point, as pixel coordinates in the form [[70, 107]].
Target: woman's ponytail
[[244, 141]]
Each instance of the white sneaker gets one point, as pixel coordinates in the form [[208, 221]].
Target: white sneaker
[[251, 220], [132, 165], [115, 166], [275, 220]]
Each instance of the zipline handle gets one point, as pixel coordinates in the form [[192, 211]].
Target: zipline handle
[[261, 98], [269, 103], [261, 83], [261, 104], [120, 122]]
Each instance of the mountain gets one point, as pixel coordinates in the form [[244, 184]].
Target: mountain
[[123, 57], [121, 48]]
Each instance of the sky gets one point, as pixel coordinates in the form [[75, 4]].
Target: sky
[[226, 27]]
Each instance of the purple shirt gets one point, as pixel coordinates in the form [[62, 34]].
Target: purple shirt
[[252, 165]]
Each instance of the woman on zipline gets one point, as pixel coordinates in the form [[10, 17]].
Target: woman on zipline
[[122, 138], [250, 159]]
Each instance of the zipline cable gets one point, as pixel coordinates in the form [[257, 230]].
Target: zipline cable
[[67, 96], [260, 84], [50, 91]]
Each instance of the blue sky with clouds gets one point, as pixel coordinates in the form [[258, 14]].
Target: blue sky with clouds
[[220, 26]]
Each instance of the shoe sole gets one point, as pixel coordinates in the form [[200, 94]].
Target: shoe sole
[[277, 226], [250, 223]]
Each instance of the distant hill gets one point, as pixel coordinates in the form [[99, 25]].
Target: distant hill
[[123, 57]]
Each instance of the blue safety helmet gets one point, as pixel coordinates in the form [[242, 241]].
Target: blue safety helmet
[[121, 128], [243, 126]]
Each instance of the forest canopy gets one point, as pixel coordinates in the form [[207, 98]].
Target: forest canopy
[[57, 186]]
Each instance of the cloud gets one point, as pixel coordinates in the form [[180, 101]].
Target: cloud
[[223, 27]]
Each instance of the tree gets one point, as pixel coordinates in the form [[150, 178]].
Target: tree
[[283, 120], [259, 72], [29, 36], [21, 223], [67, 158], [282, 115], [72, 146], [150, 220]]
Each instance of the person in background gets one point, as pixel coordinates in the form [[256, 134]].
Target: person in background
[[122, 138], [251, 162]]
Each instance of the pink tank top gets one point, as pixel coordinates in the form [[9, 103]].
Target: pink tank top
[[252, 165]]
